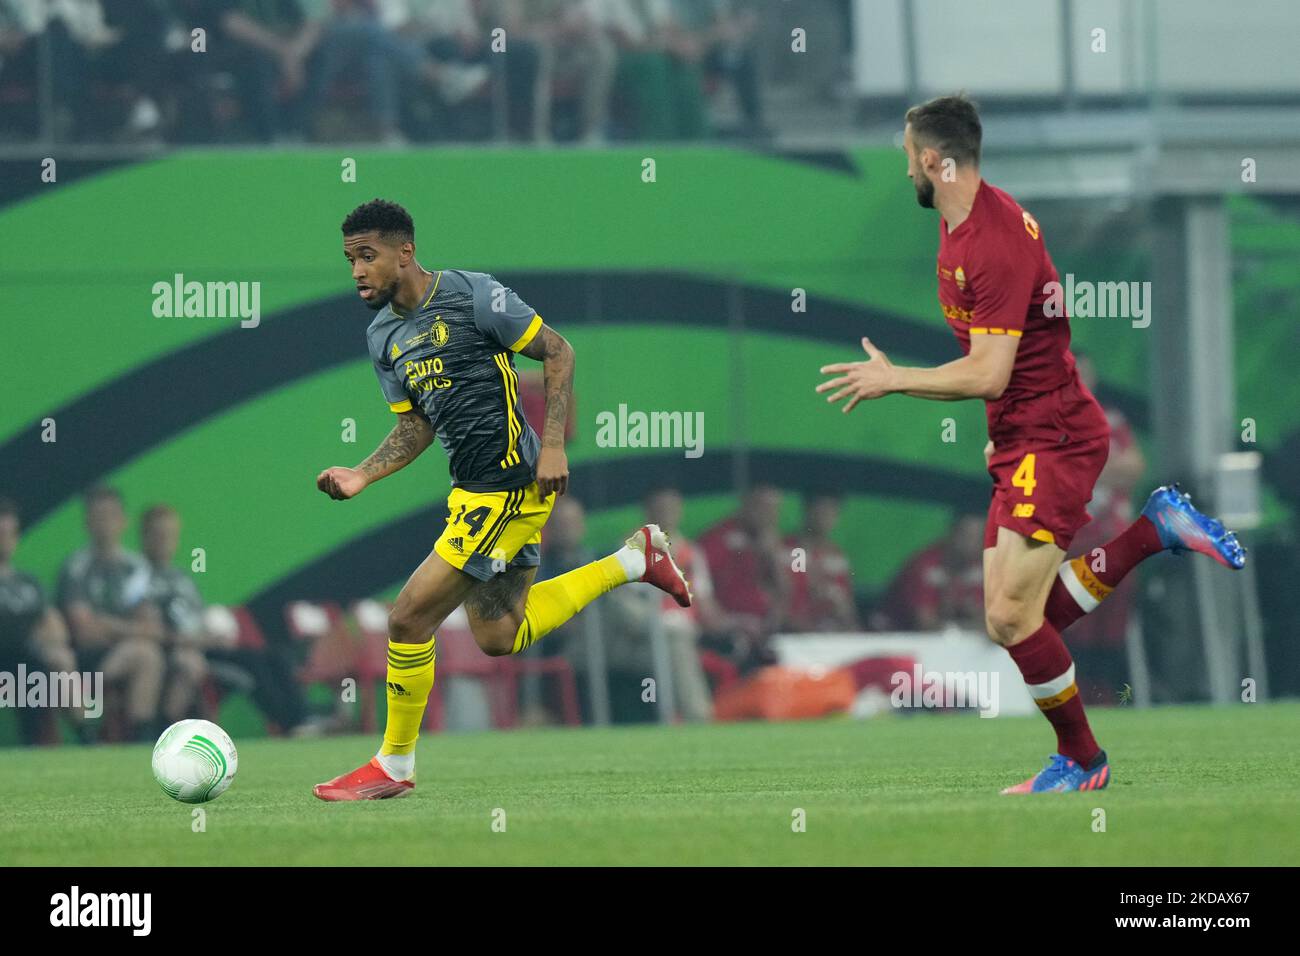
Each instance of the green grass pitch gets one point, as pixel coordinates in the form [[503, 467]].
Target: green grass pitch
[[1192, 785]]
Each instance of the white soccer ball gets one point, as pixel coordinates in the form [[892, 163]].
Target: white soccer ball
[[194, 761]]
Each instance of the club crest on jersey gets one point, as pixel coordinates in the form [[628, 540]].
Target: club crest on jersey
[[439, 333], [960, 278]]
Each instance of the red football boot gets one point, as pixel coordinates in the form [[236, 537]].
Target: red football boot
[[660, 568], [367, 782]]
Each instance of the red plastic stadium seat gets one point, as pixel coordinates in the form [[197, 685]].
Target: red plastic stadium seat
[[721, 671], [459, 656], [557, 667], [371, 619], [235, 625], [333, 653]]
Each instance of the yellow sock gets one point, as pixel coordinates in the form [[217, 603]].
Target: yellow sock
[[553, 602], [410, 678]]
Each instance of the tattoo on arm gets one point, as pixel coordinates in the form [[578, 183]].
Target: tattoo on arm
[[409, 437], [556, 355]]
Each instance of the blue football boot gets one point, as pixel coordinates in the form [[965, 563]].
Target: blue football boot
[[1182, 528], [1062, 775]]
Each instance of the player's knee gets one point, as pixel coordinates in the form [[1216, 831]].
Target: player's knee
[[496, 638], [405, 626], [1005, 617]]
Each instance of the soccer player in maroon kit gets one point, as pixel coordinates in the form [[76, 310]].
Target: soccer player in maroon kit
[[1048, 437]]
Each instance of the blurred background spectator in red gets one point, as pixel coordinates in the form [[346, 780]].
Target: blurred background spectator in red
[[821, 584], [940, 586], [637, 609], [750, 566]]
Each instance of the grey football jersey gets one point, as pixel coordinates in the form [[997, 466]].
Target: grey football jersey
[[22, 605], [453, 359], [114, 585], [177, 596]]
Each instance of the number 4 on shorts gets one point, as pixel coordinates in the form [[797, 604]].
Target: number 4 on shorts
[[1024, 476]]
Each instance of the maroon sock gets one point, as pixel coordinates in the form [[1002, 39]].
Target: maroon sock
[[1048, 670], [1095, 575]]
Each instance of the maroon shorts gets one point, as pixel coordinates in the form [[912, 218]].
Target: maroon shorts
[[1042, 490]]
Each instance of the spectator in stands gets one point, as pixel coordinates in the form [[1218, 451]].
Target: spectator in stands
[[32, 632], [21, 25], [1099, 640], [116, 629], [636, 609], [132, 68], [104, 80], [194, 653], [263, 46], [821, 585], [942, 585], [389, 41], [573, 51], [177, 599], [749, 564], [658, 70], [726, 32], [457, 36]]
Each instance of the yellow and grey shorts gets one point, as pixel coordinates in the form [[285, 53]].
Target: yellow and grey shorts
[[489, 531]]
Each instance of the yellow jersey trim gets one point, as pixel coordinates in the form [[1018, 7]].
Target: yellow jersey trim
[[1042, 534], [1017, 333], [403, 406], [436, 282], [529, 334]]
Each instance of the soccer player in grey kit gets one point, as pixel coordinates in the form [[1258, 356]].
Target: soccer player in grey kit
[[443, 346]]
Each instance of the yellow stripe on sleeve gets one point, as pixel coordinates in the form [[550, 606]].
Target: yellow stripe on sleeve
[[529, 334], [402, 406]]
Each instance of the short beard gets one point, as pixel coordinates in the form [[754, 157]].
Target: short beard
[[925, 193], [381, 297]]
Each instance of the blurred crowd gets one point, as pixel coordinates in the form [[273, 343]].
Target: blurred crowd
[[386, 71], [139, 620]]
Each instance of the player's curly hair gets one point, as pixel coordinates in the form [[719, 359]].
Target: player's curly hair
[[951, 124], [388, 219]]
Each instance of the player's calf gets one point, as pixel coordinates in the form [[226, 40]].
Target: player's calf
[[496, 610]]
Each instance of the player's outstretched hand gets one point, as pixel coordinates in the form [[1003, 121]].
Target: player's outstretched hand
[[552, 471], [340, 483], [859, 381]]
